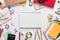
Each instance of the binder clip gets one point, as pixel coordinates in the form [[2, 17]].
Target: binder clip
[[11, 37]]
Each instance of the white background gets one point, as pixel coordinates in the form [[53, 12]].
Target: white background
[[31, 19]]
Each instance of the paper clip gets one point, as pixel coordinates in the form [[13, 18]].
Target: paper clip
[[30, 3], [7, 26]]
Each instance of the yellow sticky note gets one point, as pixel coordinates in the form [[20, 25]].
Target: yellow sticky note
[[53, 33], [23, 3]]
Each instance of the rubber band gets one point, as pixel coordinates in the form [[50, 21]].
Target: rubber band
[[11, 11], [7, 26]]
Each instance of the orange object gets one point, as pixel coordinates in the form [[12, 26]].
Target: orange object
[[55, 30], [11, 2], [2, 6]]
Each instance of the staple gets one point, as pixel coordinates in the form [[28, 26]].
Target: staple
[[45, 36], [5, 22]]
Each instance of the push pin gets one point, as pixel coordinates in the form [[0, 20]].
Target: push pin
[[30, 3], [58, 1]]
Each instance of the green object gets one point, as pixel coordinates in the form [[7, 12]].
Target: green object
[[5, 34], [56, 20], [58, 35]]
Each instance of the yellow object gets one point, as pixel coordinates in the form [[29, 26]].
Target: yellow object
[[53, 33], [23, 3]]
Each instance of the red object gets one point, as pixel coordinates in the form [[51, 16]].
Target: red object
[[19, 35], [49, 3], [1, 30]]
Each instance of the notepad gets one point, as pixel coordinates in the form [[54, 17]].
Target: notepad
[[55, 30], [11, 2]]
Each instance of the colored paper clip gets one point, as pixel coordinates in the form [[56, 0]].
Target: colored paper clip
[[30, 3], [7, 26], [28, 35], [15, 30], [5, 21], [58, 12]]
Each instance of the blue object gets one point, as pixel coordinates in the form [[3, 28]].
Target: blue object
[[9, 7]]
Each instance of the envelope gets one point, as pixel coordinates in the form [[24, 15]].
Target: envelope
[[55, 30], [49, 3], [11, 2]]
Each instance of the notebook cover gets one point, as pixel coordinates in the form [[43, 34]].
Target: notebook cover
[[49, 3]]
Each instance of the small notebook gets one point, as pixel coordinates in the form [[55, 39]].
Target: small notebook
[[54, 31]]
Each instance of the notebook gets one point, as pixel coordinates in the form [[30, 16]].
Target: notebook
[[54, 31], [49, 3]]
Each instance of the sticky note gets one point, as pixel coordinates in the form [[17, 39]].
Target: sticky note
[[49, 3], [23, 3], [55, 30], [12, 2]]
